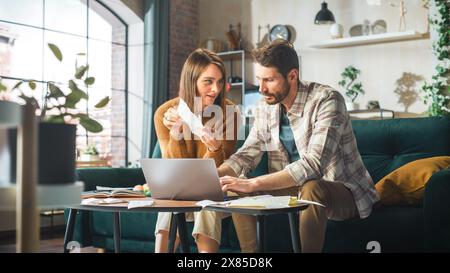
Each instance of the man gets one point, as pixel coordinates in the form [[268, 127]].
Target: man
[[307, 133]]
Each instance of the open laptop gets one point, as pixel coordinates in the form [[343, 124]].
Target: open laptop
[[182, 179]]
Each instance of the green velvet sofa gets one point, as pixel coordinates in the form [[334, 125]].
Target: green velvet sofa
[[384, 145]]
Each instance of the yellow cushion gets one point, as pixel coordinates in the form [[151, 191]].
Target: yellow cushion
[[406, 184]]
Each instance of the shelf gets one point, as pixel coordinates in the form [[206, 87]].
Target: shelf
[[372, 39], [234, 62], [379, 113]]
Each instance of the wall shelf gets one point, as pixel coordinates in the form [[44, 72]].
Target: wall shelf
[[232, 59], [372, 39]]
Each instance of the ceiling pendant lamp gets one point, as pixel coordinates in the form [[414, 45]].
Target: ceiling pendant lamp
[[324, 16]]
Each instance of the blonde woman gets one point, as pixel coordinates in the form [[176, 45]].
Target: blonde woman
[[202, 86]]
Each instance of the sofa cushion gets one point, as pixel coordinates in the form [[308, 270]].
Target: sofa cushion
[[386, 145], [406, 185]]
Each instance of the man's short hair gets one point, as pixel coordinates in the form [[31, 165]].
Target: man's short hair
[[279, 54]]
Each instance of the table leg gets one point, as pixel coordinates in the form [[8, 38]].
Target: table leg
[[260, 233], [68, 236], [116, 231], [182, 231], [172, 233], [293, 223]]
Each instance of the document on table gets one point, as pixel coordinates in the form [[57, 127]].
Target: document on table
[[102, 201], [108, 201], [192, 121], [301, 201], [140, 203], [260, 201]]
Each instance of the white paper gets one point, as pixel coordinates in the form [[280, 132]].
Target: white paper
[[192, 121], [302, 201], [101, 201], [264, 201], [260, 201], [100, 188], [205, 203], [140, 203]]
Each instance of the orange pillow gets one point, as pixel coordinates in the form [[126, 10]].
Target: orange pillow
[[406, 184]]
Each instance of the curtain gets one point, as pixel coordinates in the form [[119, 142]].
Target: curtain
[[156, 66]]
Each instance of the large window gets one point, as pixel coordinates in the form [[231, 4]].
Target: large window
[[75, 26]]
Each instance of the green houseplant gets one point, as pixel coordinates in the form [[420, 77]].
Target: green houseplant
[[60, 106], [351, 87], [437, 93], [58, 117], [90, 154]]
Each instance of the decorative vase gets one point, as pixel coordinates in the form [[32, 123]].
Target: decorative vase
[[336, 31]]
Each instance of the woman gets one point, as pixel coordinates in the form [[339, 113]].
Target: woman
[[202, 84]]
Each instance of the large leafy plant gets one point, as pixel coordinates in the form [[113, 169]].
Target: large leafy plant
[[60, 106], [437, 93], [352, 88]]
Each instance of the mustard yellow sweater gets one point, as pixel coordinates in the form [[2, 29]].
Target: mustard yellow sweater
[[190, 148]]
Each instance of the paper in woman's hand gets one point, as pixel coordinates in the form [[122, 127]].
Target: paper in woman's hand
[[193, 122]]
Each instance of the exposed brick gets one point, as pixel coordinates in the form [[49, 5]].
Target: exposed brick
[[184, 33]]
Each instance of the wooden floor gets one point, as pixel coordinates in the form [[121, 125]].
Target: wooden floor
[[52, 241]]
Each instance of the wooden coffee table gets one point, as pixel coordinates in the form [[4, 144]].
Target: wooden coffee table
[[260, 214], [178, 208]]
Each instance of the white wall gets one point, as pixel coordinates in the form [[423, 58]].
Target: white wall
[[381, 65]]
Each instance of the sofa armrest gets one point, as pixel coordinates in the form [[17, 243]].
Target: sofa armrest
[[436, 209], [110, 177]]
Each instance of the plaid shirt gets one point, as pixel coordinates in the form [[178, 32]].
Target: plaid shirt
[[324, 138]]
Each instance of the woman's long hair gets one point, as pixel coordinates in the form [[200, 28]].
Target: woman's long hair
[[195, 64]]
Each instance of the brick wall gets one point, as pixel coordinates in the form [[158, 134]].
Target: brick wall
[[184, 33]]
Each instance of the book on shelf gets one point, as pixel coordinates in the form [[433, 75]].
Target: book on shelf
[[117, 193]]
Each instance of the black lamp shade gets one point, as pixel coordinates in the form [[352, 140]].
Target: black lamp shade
[[324, 16]]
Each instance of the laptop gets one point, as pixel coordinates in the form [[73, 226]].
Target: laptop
[[190, 179]]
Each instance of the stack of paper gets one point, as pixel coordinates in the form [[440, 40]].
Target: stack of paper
[[102, 201], [260, 201], [140, 203]]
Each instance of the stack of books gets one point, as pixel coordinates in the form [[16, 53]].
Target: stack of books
[[112, 193]]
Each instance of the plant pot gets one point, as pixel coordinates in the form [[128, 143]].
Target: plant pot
[[352, 106], [56, 153], [87, 157]]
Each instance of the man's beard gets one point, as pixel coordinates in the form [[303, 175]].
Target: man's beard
[[278, 96]]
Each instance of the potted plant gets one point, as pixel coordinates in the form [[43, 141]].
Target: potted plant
[[58, 117], [437, 93], [352, 88], [89, 154]]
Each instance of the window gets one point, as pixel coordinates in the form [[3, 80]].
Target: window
[[75, 26]]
